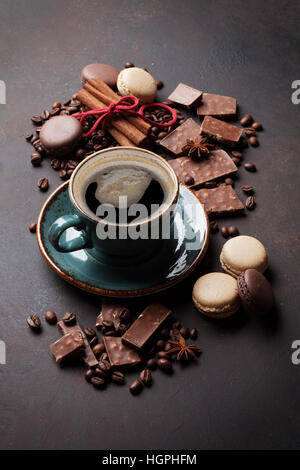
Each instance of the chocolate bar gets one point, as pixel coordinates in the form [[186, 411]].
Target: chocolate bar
[[145, 326], [217, 105], [88, 355], [70, 345], [185, 95], [220, 200], [193, 173], [119, 354], [221, 131], [177, 139], [112, 313]]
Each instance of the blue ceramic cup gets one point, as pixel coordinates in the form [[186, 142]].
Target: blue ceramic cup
[[102, 238]]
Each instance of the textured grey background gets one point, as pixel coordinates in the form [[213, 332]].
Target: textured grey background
[[245, 391]]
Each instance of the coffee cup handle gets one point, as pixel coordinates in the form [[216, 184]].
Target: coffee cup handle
[[58, 228]]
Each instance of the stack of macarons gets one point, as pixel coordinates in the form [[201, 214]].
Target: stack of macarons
[[219, 295]]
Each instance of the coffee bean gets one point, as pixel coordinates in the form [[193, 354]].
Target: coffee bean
[[40, 150], [37, 120], [55, 112], [28, 137], [210, 184], [176, 325], [136, 387], [128, 65], [70, 172], [163, 355], [185, 332], [56, 104], [247, 188], [34, 322], [63, 174], [189, 180], [250, 203], [34, 139], [100, 373], [243, 142], [110, 333], [45, 115], [151, 364], [246, 120], [160, 345], [103, 356], [229, 181], [174, 334], [165, 365], [146, 377], [224, 232], [51, 317], [249, 132], [37, 144], [257, 126], [159, 84], [108, 324], [124, 316], [55, 163], [165, 333], [236, 160], [99, 349], [168, 347], [71, 164], [214, 227], [104, 366], [36, 159], [233, 231], [237, 154], [154, 130], [80, 154], [122, 328], [250, 167], [118, 377], [194, 333], [69, 318], [43, 184], [89, 333], [89, 374], [98, 382], [161, 135], [32, 227], [253, 141]]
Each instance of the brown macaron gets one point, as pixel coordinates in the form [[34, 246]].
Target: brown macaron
[[255, 292]]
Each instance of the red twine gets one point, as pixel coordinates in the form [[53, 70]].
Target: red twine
[[128, 105]]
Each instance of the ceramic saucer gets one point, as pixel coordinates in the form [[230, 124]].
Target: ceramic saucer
[[176, 259]]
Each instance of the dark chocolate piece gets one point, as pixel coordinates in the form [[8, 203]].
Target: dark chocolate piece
[[218, 164], [119, 354], [88, 355], [145, 326], [185, 95], [60, 135], [220, 131], [220, 200], [70, 345], [217, 105], [112, 313], [177, 139], [107, 73]]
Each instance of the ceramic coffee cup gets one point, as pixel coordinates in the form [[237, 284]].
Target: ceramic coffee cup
[[118, 241]]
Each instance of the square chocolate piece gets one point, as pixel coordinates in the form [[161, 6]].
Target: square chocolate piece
[[217, 105], [185, 95], [221, 131], [88, 355], [119, 354], [68, 346], [145, 327], [193, 173], [220, 200], [177, 139]]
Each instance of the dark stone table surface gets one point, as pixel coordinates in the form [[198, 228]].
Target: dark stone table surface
[[244, 393]]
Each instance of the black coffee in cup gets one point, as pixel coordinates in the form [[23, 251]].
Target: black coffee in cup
[[123, 187]]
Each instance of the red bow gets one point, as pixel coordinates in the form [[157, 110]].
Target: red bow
[[128, 105]]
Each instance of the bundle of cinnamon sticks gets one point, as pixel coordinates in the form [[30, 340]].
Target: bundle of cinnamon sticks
[[126, 130]]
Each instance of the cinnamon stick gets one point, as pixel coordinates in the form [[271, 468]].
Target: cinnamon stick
[[91, 102], [125, 127], [98, 88]]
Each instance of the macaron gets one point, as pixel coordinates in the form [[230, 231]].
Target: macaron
[[241, 253], [216, 295], [60, 135], [137, 82], [255, 292], [107, 73]]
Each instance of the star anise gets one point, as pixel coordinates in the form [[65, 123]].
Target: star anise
[[197, 148], [183, 350]]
